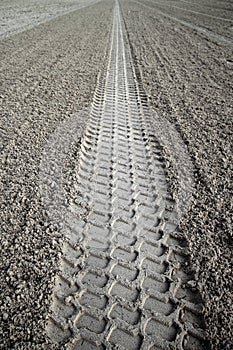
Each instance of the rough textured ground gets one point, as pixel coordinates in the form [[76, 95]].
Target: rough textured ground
[[185, 62], [188, 79], [19, 15], [212, 18], [47, 74]]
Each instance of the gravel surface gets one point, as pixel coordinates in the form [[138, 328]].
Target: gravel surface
[[47, 74], [19, 15], [188, 80], [212, 18]]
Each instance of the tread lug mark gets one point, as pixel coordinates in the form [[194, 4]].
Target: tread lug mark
[[123, 285]]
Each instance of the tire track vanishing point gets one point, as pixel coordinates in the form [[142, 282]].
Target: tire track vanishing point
[[122, 284]]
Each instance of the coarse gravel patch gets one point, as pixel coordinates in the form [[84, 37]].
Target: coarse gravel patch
[[47, 74], [211, 19], [188, 80], [19, 15]]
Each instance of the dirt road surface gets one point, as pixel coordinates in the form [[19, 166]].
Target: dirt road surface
[[116, 122]]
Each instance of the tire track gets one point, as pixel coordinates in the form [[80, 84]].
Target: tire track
[[122, 283]]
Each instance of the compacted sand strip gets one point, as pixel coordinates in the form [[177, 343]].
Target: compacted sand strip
[[122, 281]]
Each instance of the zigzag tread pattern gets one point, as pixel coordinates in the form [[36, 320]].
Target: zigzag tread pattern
[[122, 282]]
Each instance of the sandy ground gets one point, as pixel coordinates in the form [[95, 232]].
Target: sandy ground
[[55, 79], [185, 64], [17, 16], [188, 78]]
